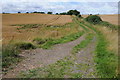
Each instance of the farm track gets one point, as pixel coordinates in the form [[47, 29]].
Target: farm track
[[40, 57]]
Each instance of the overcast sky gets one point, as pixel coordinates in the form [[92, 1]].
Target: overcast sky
[[57, 6]]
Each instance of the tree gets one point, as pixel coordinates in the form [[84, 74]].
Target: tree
[[19, 12], [56, 13], [3, 12], [35, 12], [42, 12], [73, 12], [27, 12], [49, 13], [64, 13]]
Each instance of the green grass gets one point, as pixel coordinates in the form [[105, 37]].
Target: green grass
[[106, 61], [9, 56], [68, 38], [75, 19], [83, 44]]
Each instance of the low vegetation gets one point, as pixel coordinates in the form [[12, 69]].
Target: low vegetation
[[24, 26], [109, 25], [84, 43], [106, 60], [10, 53], [64, 39], [24, 45], [59, 69], [94, 19], [9, 56]]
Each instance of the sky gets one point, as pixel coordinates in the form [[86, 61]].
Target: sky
[[58, 6]]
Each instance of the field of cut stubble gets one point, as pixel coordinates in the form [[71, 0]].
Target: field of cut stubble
[[11, 33]]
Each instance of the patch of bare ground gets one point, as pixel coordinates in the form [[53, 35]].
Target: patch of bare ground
[[85, 61], [40, 57]]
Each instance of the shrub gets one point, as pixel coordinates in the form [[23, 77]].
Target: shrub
[[93, 19], [24, 45]]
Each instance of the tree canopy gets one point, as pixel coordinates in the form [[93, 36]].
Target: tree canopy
[[73, 12]]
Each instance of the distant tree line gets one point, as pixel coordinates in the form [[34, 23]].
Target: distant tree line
[[70, 12]]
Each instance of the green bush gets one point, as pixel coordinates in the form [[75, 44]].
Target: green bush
[[24, 46], [94, 19]]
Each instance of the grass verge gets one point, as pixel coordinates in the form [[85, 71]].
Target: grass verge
[[48, 44], [10, 54], [106, 61]]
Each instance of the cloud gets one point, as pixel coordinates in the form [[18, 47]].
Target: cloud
[[56, 7]]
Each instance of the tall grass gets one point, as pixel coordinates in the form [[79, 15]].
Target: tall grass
[[9, 56], [109, 25]]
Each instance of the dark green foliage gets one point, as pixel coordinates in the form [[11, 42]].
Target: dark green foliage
[[19, 12], [41, 41], [42, 12], [94, 19], [79, 16], [64, 13], [73, 12], [27, 12], [25, 45], [49, 13], [56, 13], [38, 12]]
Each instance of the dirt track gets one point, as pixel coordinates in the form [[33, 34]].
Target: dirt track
[[39, 57]]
